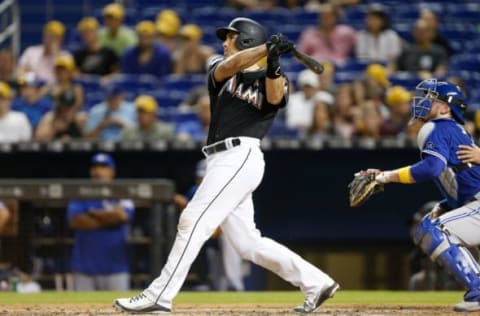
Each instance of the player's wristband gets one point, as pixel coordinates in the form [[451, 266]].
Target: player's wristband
[[405, 175], [273, 68]]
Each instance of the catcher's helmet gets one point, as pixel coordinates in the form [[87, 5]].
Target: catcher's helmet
[[250, 33], [442, 91]]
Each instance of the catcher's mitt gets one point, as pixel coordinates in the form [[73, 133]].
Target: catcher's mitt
[[362, 187]]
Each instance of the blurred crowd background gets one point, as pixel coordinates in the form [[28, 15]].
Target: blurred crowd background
[[137, 71]]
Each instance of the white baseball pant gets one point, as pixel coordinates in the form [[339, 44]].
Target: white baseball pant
[[224, 199]]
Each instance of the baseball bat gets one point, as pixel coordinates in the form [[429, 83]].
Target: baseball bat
[[308, 61]]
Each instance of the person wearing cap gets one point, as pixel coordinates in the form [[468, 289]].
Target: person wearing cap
[[371, 88], [64, 122], [148, 128], [115, 34], [167, 25], [301, 104], [40, 59], [423, 57], [64, 74], [14, 126], [107, 119], [147, 57], [93, 58], [196, 130], [31, 100], [99, 258], [191, 57], [398, 100], [378, 42], [329, 41]]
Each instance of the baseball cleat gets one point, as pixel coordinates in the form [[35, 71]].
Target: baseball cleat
[[311, 305], [467, 306], [139, 304]]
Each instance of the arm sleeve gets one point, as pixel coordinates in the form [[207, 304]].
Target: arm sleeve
[[428, 168], [75, 208], [212, 63]]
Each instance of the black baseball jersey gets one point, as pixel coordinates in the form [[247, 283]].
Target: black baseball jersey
[[239, 105]]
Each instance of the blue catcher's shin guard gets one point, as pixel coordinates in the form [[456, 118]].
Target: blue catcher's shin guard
[[455, 259]]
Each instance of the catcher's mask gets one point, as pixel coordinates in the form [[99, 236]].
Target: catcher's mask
[[431, 90]]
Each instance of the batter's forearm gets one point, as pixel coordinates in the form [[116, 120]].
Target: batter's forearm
[[239, 61], [275, 90]]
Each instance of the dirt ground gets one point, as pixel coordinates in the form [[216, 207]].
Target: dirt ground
[[233, 310]]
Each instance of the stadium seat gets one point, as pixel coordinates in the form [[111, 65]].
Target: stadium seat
[[137, 83], [90, 83], [183, 83], [405, 79]]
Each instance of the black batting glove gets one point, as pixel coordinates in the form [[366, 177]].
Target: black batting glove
[[278, 45]]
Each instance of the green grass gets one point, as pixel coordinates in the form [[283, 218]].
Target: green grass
[[342, 297]]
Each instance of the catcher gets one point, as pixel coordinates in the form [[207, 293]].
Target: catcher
[[444, 237]]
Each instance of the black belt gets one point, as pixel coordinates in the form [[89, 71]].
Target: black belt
[[220, 146]]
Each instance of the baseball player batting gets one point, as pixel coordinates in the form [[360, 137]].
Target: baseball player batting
[[445, 238], [244, 100]]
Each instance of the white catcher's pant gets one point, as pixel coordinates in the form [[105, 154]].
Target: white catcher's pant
[[463, 224], [224, 199]]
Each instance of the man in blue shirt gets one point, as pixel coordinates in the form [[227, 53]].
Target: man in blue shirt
[[106, 120], [454, 224], [147, 57], [196, 130], [99, 259], [31, 101]]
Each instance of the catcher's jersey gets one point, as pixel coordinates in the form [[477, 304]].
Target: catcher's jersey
[[440, 138], [239, 105]]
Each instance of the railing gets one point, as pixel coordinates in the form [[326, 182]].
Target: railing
[[10, 24]]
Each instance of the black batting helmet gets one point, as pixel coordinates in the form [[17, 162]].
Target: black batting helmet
[[250, 33]]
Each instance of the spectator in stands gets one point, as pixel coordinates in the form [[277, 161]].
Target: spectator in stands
[[99, 259], [423, 56], [322, 126], [115, 34], [167, 26], [378, 42], [329, 41], [398, 100], [191, 57], [64, 122], [147, 57], [14, 126], [31, 101], [370, 123], [344, 113], [64, 75], [431, 19], [40, 59], [314, 5], [7, 65], [372, 87], [300, 109], [93, 58], [148, 128], [106, 120], [196, 130], [4, 215]]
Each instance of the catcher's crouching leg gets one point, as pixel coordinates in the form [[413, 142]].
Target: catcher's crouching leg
[[455, 259]]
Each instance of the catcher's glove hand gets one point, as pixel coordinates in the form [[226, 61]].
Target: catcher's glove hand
[[362, 187]]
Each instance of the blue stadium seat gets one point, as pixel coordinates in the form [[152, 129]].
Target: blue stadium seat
[[354, 65], [167, 98], [303, 17], [347, 76], [90, 83], [183, 83], [280, 130], [150, 13], [405, 79], [137, 83], [465, 62], [92, 99]]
